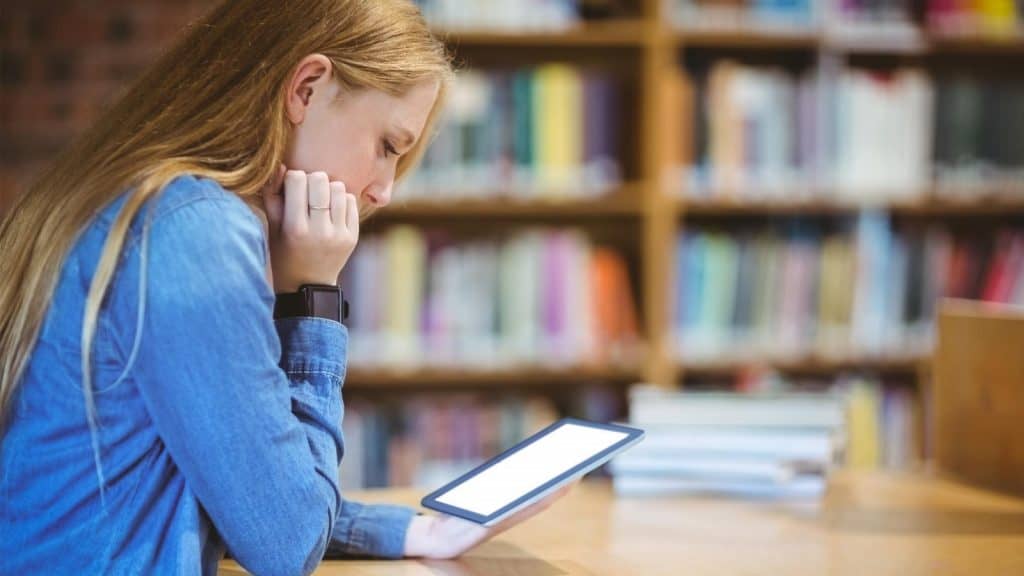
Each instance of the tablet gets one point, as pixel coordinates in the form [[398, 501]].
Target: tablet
[[531, 470]]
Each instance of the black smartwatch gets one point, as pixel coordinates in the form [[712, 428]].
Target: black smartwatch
[[312, 300]]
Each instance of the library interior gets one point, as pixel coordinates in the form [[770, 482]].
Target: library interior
[[785, 238]]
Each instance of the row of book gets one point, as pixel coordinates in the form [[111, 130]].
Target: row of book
[[870, 17], [547, 131], [501, 14], [990, 17], [775, 444], [865, 289], [537, 296], [857, 134], [428, 440], [744, 14]]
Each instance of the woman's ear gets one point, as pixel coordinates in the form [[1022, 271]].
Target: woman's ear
[[311, 76]]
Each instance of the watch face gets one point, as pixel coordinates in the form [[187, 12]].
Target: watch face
[[325, 303]]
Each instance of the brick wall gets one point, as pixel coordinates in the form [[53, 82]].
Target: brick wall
[[62, 61]]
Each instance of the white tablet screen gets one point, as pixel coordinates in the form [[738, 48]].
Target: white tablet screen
[[529, 468]]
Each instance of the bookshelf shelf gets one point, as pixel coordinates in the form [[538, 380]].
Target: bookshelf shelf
[[808, 364], [475, 378], [976, 42], [926, 205], [630, 32], [741, 37], [623, 202]]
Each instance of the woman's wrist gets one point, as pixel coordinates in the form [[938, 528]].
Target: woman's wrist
[[417, 537]]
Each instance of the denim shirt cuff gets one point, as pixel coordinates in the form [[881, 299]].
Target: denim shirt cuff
[[313, 345], [376, 530]]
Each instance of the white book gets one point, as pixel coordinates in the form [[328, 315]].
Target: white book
[[650, 405], [351, 469], [799, 487], [706, 467], [804, 445]]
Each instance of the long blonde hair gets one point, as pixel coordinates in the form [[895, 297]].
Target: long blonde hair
[[212, 106]]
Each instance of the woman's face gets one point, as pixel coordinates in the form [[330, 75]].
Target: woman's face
[[356, 138]]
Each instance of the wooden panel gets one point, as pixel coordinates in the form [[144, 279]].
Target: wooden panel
[[978, 395]]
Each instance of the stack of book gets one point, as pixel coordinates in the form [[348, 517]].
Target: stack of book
[[551, 131], [540, 296], [762, 445], [801, 289]]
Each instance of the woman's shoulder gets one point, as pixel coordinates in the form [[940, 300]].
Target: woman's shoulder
[[181, 191], [199, 214], [209, 203], [188, 205]]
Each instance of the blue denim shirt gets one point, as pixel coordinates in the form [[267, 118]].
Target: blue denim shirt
[[219, 427]]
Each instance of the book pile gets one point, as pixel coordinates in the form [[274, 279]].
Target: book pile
[[772, 445]]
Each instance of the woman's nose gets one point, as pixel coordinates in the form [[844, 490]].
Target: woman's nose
[[379, 197]]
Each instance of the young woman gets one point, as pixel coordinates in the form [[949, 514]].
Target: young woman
[[155, 409]]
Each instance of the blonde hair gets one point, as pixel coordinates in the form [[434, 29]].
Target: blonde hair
[[212, 106]]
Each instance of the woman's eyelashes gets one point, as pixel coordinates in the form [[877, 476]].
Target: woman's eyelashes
[[389, 149]]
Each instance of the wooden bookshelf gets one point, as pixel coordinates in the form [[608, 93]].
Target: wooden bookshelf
[[1012, 44], [650, 45]]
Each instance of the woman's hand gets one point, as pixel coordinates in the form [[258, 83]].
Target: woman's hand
[[313, 227], [442, 537]]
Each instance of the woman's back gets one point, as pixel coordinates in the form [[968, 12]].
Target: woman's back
[[172, 401]]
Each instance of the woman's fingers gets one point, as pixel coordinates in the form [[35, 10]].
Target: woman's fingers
[[339, 206], [273, 198], [352, 216], [296, 202], [319, 204]]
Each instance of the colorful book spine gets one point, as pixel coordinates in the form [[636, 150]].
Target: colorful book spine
[[800, 290], [538, 296], [551, 131]]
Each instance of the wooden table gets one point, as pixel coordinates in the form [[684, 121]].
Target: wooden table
[[867, 524]]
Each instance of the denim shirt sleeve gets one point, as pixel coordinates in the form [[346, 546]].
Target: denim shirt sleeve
[[248, 407], [370, 530], [360, 529]]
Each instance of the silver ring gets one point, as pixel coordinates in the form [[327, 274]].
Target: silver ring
[[311, 207]]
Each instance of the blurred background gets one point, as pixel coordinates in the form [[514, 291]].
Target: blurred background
[[764, 200]]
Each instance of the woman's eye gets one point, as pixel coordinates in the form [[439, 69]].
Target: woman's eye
[[389, 149]]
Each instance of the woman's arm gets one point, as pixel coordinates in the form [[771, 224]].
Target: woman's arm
[[259, 448]]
